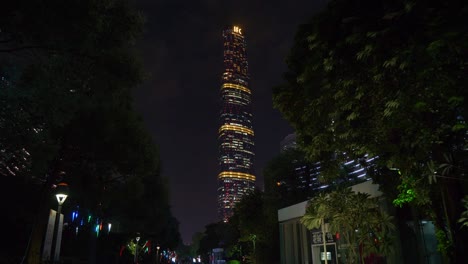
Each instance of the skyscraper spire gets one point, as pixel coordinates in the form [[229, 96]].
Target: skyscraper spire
[[236, 134]]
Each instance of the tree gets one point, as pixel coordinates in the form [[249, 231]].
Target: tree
[[195, 245], [357, 218], [283, 177], [255, 216], [217, 235], [66, 114], [251, 232], [386, 79], [464, 216], [59, 59]]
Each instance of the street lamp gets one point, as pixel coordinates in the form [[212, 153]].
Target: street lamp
[[324, 230], [136, 248], [61, 195], [157, 254]]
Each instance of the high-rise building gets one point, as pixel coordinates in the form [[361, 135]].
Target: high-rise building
[[289, 142], [236, 134], [306, 174]]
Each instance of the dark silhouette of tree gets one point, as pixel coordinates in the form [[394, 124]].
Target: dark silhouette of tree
[[284, 176], [66, 75]]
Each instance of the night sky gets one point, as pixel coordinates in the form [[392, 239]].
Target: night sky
[[179, 101]]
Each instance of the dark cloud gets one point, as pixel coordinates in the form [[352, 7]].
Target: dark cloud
[[182, 53]]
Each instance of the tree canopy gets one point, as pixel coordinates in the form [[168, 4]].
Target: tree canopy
[[357, 219], [283, 180], [383, 80], [67, 70], [387, 79], [60, 60]]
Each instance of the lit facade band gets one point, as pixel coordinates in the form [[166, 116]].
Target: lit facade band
[[235, 134], [236, 128]]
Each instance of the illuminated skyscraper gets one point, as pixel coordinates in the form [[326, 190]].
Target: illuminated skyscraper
[[236, 135]]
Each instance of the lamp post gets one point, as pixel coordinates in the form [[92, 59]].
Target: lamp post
[[61, 194], [157, 254], [136, 248], [324, 241]]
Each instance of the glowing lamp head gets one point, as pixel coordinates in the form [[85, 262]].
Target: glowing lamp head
[[61, 198], [61, 193], [158, 247]]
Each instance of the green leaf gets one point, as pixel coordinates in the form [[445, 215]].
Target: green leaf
[[352, 116], [459, 127], [365, 53], [456, 101], [435, 46], [390, 63]]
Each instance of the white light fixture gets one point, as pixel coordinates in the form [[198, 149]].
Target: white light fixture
[[61, 192], [61, 197]]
